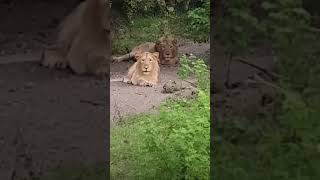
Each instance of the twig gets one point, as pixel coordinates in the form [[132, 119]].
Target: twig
[[273, 76], [90, 102], [228, 70], [192, 84], [262, 81]]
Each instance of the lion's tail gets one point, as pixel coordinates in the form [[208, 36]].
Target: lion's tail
[[123, 57]]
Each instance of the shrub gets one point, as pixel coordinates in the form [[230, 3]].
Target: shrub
[[200, 21]]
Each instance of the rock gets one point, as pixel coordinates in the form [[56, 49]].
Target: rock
[[171, 87]]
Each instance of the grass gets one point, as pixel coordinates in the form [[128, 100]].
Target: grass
[[171, 144]]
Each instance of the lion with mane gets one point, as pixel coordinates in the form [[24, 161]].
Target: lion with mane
[[166, 46]]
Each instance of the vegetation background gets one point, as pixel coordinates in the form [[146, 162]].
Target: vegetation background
[[284, 145]]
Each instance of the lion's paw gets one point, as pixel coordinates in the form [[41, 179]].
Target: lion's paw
[[127, 80], [149, 84], [102, 71], [52, 59]]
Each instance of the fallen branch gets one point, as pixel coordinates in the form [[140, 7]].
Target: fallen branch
[[259, 79], [91, 102], [272, 75]]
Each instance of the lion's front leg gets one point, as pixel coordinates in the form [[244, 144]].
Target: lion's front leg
[[98, 65], [52, 58], [146, 83], [127, 80], [150, 83]]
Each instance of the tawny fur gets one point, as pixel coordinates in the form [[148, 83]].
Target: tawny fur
[[166, 46], [137, 74], [168, 50], [83, 41]]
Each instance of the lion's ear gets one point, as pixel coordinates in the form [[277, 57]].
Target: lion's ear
[[137, 55], [157, 44], [174, 41], [156, 56]]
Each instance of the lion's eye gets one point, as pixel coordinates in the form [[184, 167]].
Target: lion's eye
[[150, 60], [171, 47]]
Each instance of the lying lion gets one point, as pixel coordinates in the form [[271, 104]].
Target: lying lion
[[144, 72], [166, 47], [83, 42]]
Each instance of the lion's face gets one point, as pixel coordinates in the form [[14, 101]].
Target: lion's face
[[168, 49], [147, 62]]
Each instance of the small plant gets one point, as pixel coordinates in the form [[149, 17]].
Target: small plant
[[191, 65]]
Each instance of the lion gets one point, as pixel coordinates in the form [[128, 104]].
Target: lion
[[144, 72], [83, 42], [166, 47], [168, 50]]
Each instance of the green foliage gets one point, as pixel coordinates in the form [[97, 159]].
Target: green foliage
[[146, 29], [194, 66], [172, 144], [193, 23], [238, 27], [287, 146], [283, 149], [200, 21], [296, 46], [149, 29], [151, 7]]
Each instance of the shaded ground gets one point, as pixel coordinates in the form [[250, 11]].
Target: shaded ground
[[48, 118], [247, 96]]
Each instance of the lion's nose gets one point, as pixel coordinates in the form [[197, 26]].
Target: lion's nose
[[167, 53]]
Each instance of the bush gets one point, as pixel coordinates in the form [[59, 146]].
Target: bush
[[200, 21]]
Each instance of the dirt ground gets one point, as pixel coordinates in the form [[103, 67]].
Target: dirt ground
[[124, 98], [68, 109], [49, 118]]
